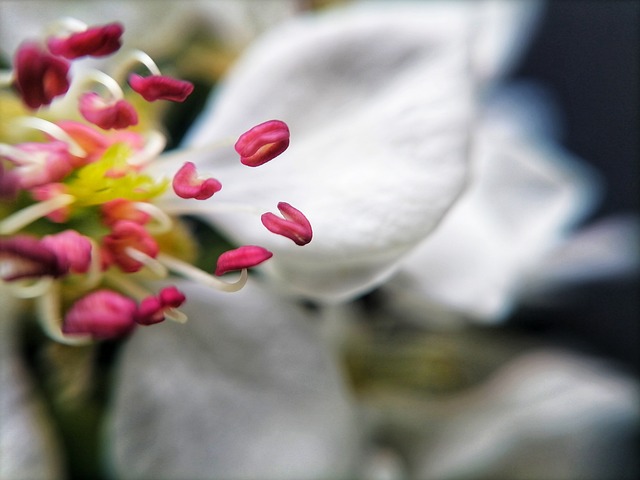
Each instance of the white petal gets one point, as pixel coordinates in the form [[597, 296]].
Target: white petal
[[233, 22], [245, 389], [27, 449], [547, 414], [605, 249], [526, 196], [380, 108]]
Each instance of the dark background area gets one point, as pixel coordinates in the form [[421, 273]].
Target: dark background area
[[587, 54]]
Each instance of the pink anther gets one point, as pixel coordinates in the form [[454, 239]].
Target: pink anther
[[244, 257], [294, 225], [160, 87], [39, 76], [152, 309], [126, 234], [107, 115], [186, 183], [23, 256], [97, 41], [263, 143], [72, 248], [102, 314]]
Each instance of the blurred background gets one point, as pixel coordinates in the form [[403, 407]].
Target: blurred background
[[586, 53]]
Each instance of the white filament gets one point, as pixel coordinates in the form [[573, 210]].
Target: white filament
[[48, 307], [189, 271], [54, 130], [30, 214]]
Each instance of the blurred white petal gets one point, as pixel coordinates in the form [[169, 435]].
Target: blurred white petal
[[27, 448], [609, 248], [547, 414], [380, 110], [245, 389], [525, 196], [235, 22]]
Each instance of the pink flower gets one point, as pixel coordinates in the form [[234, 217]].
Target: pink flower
[[102, 314], [107, 115], [96, 41], [186, 184], [39, 76], [160, 87], [294, 225], [263, 143], [241, 258]]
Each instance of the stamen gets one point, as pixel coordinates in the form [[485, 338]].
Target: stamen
[[241, 258], [151, 263], [176, 315], [101, 78], [94, 273], [7, 78], [30, 214], [189, 271], [67, 25], [48, 313], [263, 143], [153, 146], [102, 314], [26, 289], [39, 76], [52, 130], [163, 222], [160, 87], [187, 184], [133, 58], [97, 41], [107, 115], [294, 225]]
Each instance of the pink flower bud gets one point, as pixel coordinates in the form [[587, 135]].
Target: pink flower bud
[[159, 87], [263, 143], [102, 314], [240, 258], [107, 115], [125, 234], [151, 309], [22, 256], [39, 76], [186, 183], [294, 225], [73, 248], [97, 41]]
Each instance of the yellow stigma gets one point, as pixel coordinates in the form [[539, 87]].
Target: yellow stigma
[[112, 177]]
